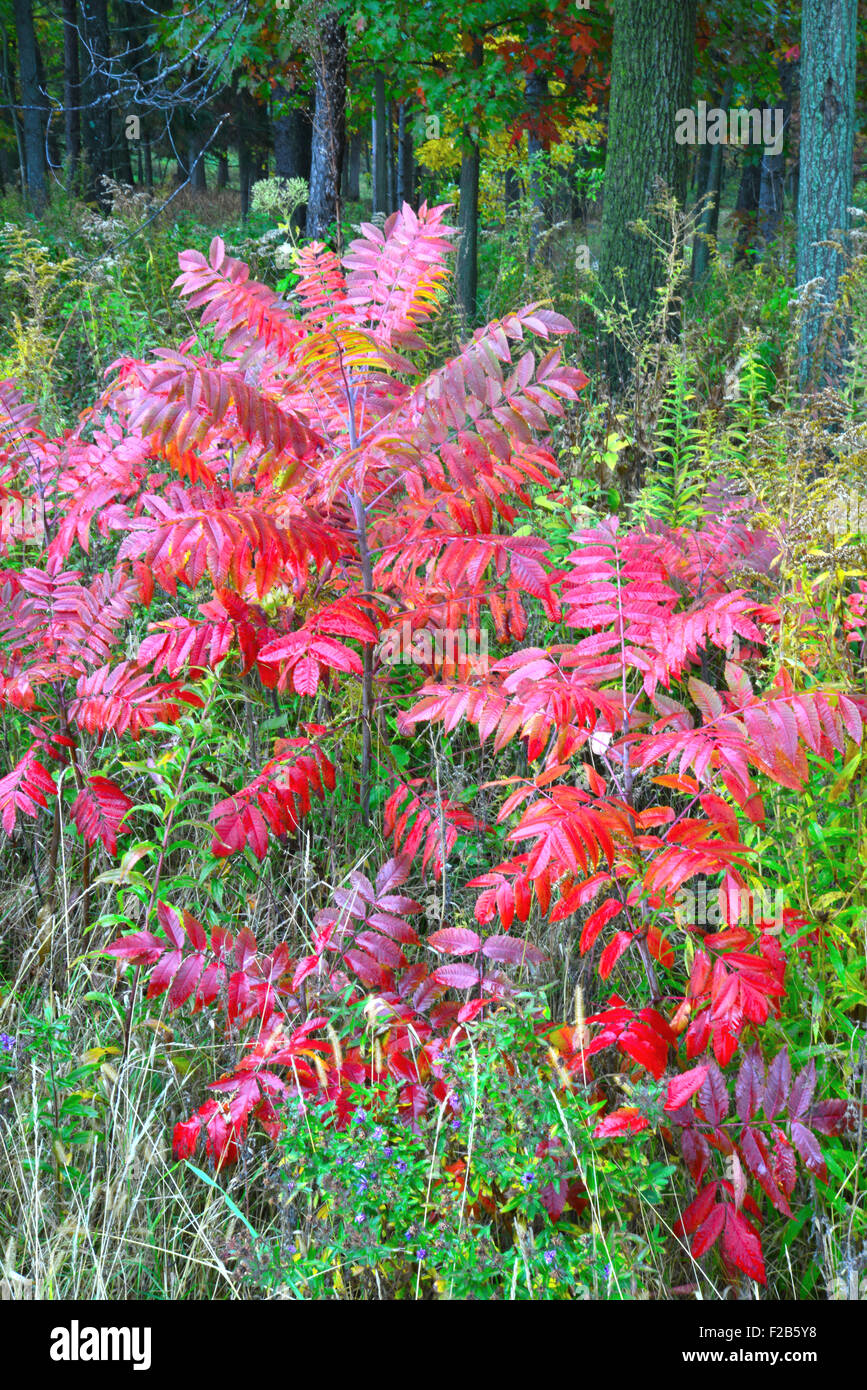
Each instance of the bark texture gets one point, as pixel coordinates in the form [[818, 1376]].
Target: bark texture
[[468, 218], [31, 101], [97, 106], [828, 46], [651, 80], [329, 126]]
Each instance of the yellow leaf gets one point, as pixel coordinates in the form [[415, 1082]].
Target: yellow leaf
[[96, 1054]]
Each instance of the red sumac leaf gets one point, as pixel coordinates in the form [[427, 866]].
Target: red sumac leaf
[[749, 1087], [613, 951], [621, 1122], [143, 948], [196, 934], [368, 969], [757, 1158], [713, 1095], [185, 980], [456, 976], [697, 1212], [99, 811], [512, 950], [185, 1138], [832, 1116], [395, 927], [455, 941], [709, 1231], [163, 973], [467, 1012], [305, 966], [170, 921], [777, 1085], [802, 1090], [603, 914], [741, 1246], [696, 1153], [680, 1088], [784, 1165], [807, 1145]]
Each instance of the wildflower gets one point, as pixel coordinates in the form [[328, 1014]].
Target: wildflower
[[7, 1043], [528, 1178], [378, 1134], [550, 1257], [388, 1151], [401, 1166], [421, 1253]]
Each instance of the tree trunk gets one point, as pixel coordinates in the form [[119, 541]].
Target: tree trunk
[[293, 133], [97, 106], [222, 170], [123, 162], [12, 107], [468, 223], [535, 96], [774, 165], [771, 196], [651, 80], [49, 134], [747, 208], [467, 276], [293, 136], [701, 181], [197, 163], [329, 127], [31, 101], [379, 158], [353, 169], [391, 157], [707, 228], [828, 48], [245, 163], [405, 189]]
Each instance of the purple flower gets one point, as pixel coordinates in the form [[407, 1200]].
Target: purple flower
[[378, 1134], [7, 1044], [550, 1257], [401, 1166], [388, 1151], [421, 1253], [529, 1178]]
